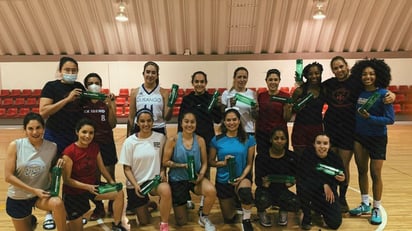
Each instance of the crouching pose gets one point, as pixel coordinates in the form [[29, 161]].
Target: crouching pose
[[82, 158], [275, 171]]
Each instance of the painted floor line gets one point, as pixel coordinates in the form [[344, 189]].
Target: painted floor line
[[383, 213]]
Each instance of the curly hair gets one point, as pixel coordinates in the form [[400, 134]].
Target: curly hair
[[382, 71]]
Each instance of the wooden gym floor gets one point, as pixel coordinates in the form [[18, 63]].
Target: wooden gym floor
[[396, 200]]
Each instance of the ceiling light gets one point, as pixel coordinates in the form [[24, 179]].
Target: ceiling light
[[319, 13], [121, 15]]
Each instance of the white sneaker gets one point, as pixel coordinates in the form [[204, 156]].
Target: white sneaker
[[206, 223], [283, 218]]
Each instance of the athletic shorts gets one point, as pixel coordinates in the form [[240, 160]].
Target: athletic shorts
[[225, 190], [133, 201], [181, 192], [341, 135], [77, 205], [108, 152], [19, 209], [376, 145]]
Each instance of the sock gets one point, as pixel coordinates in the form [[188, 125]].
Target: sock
[[376, 204], [365, 199], [202, 201], [49, 216], [246, 214], [161, 223]]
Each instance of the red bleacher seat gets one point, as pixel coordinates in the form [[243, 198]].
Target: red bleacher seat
[[126, 111], [292, 89], [2, 112], [397, 108], [211, 90], [221, 90], [26, 92], [181, 92], [7, 102], [284, 89], [31, 101], [400, 98], [19, 102], [121, 101], [4, 93], [188, 90], [11, 112], [178, 101], [393, 88], [119, 112], [15, 92], [36, 93], [403, 89], [124, 92], [35, 110], [23, 111], [105, 91], [176, 111]]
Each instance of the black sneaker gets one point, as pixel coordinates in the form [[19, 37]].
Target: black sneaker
[[247, 225], [118, 227], [33, 222], [344, 207]]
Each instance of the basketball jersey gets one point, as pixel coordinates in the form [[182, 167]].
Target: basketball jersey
[[153, 101]]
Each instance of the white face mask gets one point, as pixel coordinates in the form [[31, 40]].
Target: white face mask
[[69, 78], [94, 88]]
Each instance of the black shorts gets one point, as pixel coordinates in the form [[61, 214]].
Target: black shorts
[[181, 192], [77, 205], [225, 191], [108, 152], [133, 201], [19, 209], [376, 145]]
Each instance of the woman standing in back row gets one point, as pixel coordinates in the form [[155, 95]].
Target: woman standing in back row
[[151, 96]]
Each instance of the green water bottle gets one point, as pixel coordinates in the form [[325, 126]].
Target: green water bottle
[[280, 99], [245, 100], [299, 71], [148, 186], [93, 95], [109, 188], [328, 169], [55, 183], [191, 170], [299, 105], [213, 101], [370, 102], [231, 165], [173, 95], [278, 178]]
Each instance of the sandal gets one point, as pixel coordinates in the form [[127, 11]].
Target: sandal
[[49, 224]]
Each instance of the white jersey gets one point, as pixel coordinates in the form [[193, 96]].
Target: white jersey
[[144, 156], [32, 167], [153, 101], [244, 109]]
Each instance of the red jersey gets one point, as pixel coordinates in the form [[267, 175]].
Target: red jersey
[[84, 165]]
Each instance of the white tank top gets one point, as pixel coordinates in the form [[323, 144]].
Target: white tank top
[[32, 167], [153, 101]]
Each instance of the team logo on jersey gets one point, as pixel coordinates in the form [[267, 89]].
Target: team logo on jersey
[[341, 95], [156, 144]]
